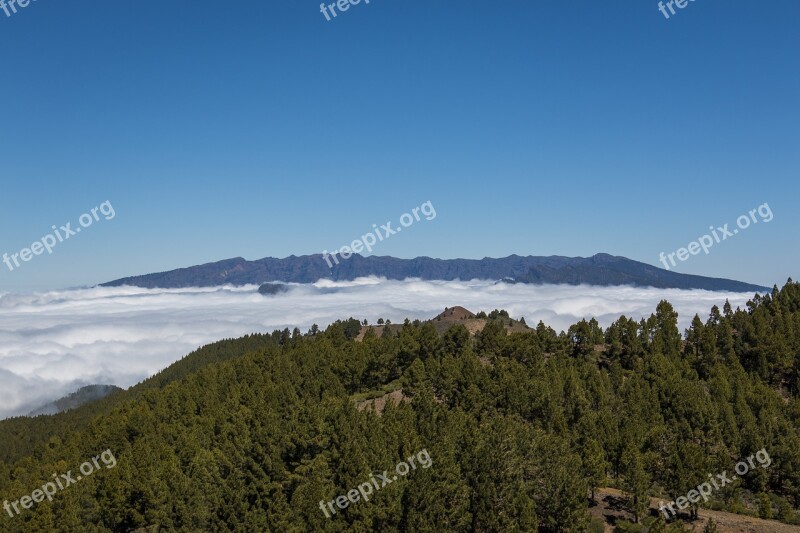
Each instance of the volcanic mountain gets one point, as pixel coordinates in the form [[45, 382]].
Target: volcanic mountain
[[598, 270]]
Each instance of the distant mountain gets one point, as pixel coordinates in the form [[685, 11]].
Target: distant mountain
[[600, 269], [82, 396]]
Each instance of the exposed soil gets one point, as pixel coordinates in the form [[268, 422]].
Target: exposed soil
[[611, 507]]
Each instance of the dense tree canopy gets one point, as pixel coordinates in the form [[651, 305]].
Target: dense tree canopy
[[251, 434]]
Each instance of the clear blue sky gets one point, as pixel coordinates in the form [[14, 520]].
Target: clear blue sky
[[223, 129]]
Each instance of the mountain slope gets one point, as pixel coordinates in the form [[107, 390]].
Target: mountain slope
[[82, 396], [510, 432], [20, 435], [600, 269]]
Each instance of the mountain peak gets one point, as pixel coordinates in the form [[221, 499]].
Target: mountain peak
[[455, 313]]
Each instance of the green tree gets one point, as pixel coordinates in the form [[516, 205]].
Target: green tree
[[594, 465]]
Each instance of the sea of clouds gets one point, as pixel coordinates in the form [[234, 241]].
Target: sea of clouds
[[52, 343]]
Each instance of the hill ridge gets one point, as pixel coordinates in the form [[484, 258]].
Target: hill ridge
[[600, 270]]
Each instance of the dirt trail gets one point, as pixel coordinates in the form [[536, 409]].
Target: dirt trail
[[611, 508]]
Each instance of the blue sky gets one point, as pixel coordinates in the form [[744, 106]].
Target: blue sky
[[223, 129]]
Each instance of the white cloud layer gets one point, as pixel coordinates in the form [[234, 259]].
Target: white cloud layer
[[52, 343]]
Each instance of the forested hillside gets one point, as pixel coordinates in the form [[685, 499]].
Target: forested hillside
[[252, 434]]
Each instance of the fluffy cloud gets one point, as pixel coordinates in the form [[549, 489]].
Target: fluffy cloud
[[52, 343]]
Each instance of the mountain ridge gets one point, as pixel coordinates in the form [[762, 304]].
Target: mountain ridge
[[600, 269], [82, 396]]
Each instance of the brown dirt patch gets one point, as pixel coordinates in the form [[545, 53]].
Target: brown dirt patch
[[611, 508], [377, 405]]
